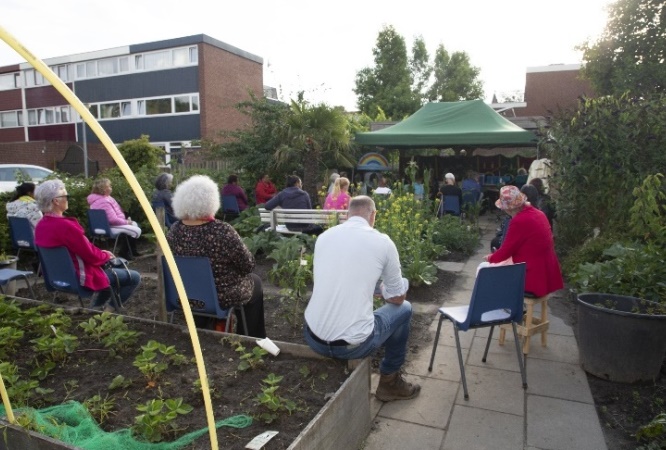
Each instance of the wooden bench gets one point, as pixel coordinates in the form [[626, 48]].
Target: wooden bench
[[278, 218]]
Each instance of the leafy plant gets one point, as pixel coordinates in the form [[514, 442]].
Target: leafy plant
[[270, 400], [56, 347], [119, 382], [155, 358], [100, 408], [655, 431], [158, 418], [264, 242], [112, 331], [293, 272], [18, 389], [453, 235], [249, 360], [11, 339]]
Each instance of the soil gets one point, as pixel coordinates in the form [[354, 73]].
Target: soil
[[622, 408]]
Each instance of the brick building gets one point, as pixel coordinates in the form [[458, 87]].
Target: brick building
[[175, 91]]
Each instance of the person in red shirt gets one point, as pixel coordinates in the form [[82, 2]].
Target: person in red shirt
[[264, 190], [528, 239]]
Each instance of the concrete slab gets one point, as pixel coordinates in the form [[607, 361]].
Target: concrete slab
[[559, 348], [393, 434], [449, 266], [424, 308], [495, 390], [458, 297], [559, 380], [499, 357], [445, 367], [447, 337], [431, 408], [480, 429], [562, 424]]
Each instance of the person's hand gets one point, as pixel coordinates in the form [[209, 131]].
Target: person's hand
[[487, 257], [396, 300], [109, 254]]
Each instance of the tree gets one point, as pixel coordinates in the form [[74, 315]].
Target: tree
[[630, 54], [389, 83], [455, 78], [421, 70], [312, 135], [140, 153]]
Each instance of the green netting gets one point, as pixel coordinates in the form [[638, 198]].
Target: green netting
[[72, 423]]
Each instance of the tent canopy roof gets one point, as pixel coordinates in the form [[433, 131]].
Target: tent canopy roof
[[446, 124]]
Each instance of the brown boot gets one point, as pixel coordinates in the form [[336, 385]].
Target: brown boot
[[394, 387]]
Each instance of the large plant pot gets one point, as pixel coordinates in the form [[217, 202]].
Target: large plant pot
[[619, 337]]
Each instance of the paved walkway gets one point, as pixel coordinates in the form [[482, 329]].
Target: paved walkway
[[555, 412]]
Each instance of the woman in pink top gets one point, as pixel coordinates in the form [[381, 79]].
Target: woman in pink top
[[100, 198], [339, 198]]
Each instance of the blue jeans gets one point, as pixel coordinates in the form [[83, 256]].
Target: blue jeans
[[124, 282], [391, 331]]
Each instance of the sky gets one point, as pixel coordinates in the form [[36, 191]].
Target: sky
[[318, 47]]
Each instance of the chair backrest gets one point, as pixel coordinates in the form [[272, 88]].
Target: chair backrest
[[21, 233], [98, 224], [470, 197], [497, 288], [197, 276], [451, 204], [230, 204], [59, 273]]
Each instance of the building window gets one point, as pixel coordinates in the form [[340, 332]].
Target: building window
[[63, 72], [158, 106], [32, 117], [94, 110], [9, 119], [181, 104], [80, 71], [123, 64], [195, 102], [107, 66], [8, 81], [181, 57], [125, 109], [91, 69], [194, 55], [138, 62], [109, 110], [157, 60]]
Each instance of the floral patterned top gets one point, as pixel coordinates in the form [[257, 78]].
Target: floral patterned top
[[25, 207], [231, 261]]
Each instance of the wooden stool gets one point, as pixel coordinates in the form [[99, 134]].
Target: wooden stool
[[531, 325]]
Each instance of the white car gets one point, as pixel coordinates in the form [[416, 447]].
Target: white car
[[8, 173]]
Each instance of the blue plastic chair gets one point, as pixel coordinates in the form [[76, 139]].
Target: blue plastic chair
[[197, 276], [21, 234], [497, 299], [99, 228], [450, 205], [230, 206], [8, 275], [60, 275]]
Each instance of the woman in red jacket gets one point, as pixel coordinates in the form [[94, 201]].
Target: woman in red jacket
[[529, 240], [264, 190]]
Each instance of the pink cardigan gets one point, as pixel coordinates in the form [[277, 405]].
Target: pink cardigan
[[114, 213], [54, 231], [340, 202]]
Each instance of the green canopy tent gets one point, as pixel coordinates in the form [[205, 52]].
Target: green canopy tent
[[448, 124]]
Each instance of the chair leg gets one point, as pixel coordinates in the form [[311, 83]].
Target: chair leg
[[434, 346], [243, 319], [460, 361], [32, 293], [521, 362], [490, 337]]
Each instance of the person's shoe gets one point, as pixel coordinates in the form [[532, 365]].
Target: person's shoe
[[394, 387]]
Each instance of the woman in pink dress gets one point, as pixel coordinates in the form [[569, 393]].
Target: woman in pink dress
[[339, 197]]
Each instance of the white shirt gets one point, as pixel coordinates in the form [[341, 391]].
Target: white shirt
[[382, 190], [349, 259]]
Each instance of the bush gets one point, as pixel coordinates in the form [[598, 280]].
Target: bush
[[591, 251], [455, 236]]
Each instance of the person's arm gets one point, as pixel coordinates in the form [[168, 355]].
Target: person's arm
[[512, 240], [113, 211], [394, 287], [77, 243], [272, 203]]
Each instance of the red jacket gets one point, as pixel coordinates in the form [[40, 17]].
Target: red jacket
[[530, 240], [264, 192], [54, 231]]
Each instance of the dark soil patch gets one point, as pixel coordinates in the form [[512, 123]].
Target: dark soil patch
[[622, 408]]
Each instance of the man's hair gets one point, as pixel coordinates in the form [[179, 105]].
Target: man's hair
[[196, 198], [233, 178], [46, 192], [292, 180], [362, 206]]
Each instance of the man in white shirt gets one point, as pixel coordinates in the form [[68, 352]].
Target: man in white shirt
[[383, 188], [339, 320]]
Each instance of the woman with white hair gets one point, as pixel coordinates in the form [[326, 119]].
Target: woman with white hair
[[198, 233], [56, 230]]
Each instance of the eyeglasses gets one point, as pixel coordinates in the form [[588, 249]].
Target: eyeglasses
[[63, 196]]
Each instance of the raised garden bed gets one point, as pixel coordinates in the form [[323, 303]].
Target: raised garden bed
[[331, 401]]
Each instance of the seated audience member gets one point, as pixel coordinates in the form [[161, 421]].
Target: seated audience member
[[100, 198], [198, 233], [531, 193], [471, 183], [293, 197], [339, 198], [419, 189], [449, 188], [383, 188], [528, 239], [162, 192], [334, 176], [56, 230], [23, 204], [232, 188], [339, 318], [264, 190]]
